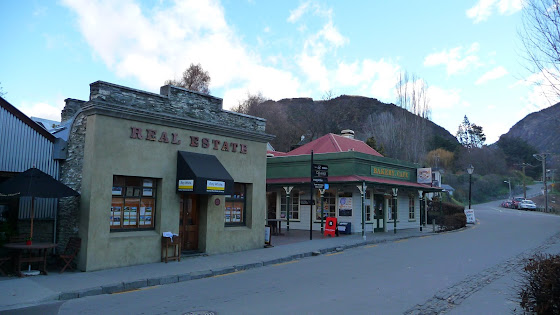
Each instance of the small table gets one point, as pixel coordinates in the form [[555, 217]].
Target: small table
[[175, 245], [279, 225], [20, 258]]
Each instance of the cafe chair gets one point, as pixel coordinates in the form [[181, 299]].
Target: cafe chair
[[70, 252]]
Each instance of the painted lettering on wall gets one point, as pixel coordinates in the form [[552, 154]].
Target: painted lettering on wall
[[389, 172], [205, 143]]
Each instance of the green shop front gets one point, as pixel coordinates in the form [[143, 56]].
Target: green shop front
[[371, 193]]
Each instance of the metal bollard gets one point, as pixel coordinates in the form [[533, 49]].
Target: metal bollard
[[434, 224]]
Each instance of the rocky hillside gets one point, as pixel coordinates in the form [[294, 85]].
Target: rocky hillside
[[540, 129], [290, 119]]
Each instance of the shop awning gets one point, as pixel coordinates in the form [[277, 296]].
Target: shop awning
[[202, 174], [357, 179]]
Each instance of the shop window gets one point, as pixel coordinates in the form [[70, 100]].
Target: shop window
[[294, 200], [236, 206], [368, 206], [345, 204], [411, 213], [392, 206], [133, 204], [329, 206]]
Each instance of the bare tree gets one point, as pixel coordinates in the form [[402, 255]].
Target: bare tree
[[194, 79], [2, 93], [328, 95], [412, 97], [541, 41], [384, 127], [250, 105]]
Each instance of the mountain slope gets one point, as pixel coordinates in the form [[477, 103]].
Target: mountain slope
[[289, 119], [540, 129]]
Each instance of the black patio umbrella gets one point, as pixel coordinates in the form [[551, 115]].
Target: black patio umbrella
[[35, 183]]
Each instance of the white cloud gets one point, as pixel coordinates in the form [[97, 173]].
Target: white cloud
[[369, 77], [441, 98], [493, 74], [42, 109], [485, 8], [160, 42], [298, 12], [454, 59]]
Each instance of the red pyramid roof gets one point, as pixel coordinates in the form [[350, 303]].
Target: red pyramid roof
[[331, 143]]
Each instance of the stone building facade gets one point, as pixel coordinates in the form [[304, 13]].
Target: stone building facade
[[125, 151]]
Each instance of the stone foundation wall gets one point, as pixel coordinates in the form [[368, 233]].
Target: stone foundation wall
[[71, 175]]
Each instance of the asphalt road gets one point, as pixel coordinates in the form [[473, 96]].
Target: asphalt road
[[470, 271]]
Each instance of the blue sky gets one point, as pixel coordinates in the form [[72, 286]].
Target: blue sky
[[468, 52]]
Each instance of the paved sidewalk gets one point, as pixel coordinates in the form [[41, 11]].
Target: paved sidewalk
[[23, 292]]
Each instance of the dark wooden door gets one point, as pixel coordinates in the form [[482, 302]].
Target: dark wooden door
[[189, 222], [379, 216]]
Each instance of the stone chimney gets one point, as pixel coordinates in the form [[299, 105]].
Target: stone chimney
[[347, 133], [72, 107]]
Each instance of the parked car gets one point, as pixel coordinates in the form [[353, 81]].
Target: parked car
[[506, 203], [515, 202], [527, 204]]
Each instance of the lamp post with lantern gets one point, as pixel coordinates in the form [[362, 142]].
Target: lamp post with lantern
[[470, 170]]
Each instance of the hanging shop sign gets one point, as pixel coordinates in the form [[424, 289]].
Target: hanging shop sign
[[424, 176]]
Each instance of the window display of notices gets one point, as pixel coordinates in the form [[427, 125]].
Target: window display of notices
[[116, 212], [234, 206], [228, 213], [146, 213], [116, 191], [130, 216], [134, 202]]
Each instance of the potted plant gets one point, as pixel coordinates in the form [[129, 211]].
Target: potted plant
[[28, 240]]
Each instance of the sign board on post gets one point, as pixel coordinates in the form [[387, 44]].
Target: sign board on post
[[267, 235], [424, 175], [319, 167], [470, 216], [320, 173]]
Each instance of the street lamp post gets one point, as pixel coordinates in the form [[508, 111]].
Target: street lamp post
[[470, 170], [509, 184]]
